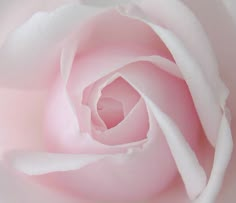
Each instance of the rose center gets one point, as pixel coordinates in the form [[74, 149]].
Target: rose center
[[117, 99], [110, 111]]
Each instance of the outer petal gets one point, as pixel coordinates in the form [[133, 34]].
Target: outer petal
[[199, 71], [231, 7], [30, 55], [14, 13], [223, 151], [115, 174], [143, 160], [220, 105], [14, 189], [186, 160], [221, 30], [21, 119]]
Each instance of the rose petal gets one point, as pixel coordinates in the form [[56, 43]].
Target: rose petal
[[222, 31], [167, 87], [37, 163], [60, 117], [121, 91], [185, 159], [115, 174], [21, 119], [123, 132], [100, 59], [13, 13], [211, 99], [223, 151], [14, 188], [174, 16], [103, 53], [103, 3], [231, 7], [178, 146], [61, 127], [44, 34]]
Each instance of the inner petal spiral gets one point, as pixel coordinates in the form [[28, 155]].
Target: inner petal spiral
[[116, 101], [110, 111]]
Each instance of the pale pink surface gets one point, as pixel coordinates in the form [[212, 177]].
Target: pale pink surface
[[166, 89], [221, 30], [21, 123], [174, 195]]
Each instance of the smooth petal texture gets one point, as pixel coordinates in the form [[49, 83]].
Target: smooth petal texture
[[110, 37], [15, 189], [180, 147], [185, 159], [223, 151], [231, 7], [102, 3], [60, 117], [121, 91], [37, 163], [136, 159], [21, 119], [61, 126], [43, 33], [215, 93], [132, 129], [167, 17], [167, 87], [221, 30], [115, 174], [22, 12]]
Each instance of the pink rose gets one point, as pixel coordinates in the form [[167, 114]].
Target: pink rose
[[115, 101]]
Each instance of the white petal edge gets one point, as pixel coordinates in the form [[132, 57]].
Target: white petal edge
[[187, 163], [223, 151], [43, 33], [104, 3], [230, 5], [15, 189], [196, 81], [38, 163]]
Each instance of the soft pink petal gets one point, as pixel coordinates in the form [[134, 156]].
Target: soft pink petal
[[141, 162], [171, 95], [110, 43], [222, 31], [187, 163], [110, 111], [223, 151], [14, 13], [21, 119], [60, 117], [222, 95], [100, 59], [64, 130], [115, 175], [149, 75], [122, 133], [30, 55], [15, 189], [214, 92], [132, 129], [231, 7], [102, 3], [37, 163], [173, 15], [121, 91]]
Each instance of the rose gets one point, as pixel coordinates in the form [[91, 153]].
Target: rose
[[57, 99], [150, 104]]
